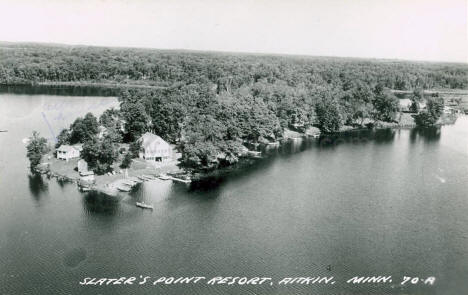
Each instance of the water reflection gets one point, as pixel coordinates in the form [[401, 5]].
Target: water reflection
[[428, 134], [384, 135], [61, 183], [213, 181], [98, 203], [37, 186], [206, 183], [357, 137]]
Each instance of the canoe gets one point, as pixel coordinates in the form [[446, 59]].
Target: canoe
[[144, 206]]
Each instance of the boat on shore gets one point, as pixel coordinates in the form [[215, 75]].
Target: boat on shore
[[85, 189], [124, 189], [144, 205]]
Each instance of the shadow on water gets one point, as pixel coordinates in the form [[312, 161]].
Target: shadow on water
[[98, 203], [212, 182], [60, 90], [61, 183], [208, 185], [428, 134], [37, 186], [379, 136]]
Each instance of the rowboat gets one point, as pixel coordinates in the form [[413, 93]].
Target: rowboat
[[124, 189], [85, 189], [144, 206]]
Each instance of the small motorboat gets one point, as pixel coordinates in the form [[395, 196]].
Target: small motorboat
[[144, 205]]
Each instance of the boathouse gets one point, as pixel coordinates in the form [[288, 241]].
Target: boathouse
[[67, 152], [154, 148]]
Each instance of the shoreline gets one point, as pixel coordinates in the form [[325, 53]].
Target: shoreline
[[109, 184], [108, 85]]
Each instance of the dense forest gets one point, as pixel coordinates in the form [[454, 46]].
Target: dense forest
[[212, 104], [23, 63]]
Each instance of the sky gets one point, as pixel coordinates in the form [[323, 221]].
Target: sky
[[433, 30]]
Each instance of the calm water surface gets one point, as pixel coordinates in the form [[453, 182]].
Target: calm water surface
[[367, 203]]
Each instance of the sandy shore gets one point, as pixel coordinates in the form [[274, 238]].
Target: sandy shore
[[108, 184]]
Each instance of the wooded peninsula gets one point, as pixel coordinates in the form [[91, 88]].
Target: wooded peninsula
[[211, 104]]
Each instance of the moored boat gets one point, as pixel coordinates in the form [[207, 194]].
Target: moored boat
[[144, 205]]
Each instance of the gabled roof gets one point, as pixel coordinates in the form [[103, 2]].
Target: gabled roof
[[148, 139], [66, 148]]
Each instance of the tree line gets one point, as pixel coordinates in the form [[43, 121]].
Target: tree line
[[211, 105], [23, 63]]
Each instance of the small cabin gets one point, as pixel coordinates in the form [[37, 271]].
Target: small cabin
[[154, 148], [67, 152]]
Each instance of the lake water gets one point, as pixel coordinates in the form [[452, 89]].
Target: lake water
[[366, 203]]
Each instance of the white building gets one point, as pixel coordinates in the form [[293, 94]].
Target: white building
[[154, 148], [67, 152], [82, 166]]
